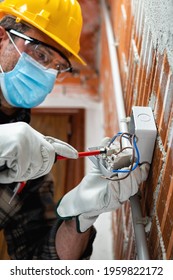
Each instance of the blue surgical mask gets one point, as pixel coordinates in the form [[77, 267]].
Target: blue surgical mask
[[28, 84]]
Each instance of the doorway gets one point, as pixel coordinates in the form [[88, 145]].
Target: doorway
[[67, 125]]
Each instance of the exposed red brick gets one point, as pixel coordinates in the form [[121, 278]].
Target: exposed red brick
[[169, 252], [153, 179], [150, 78], [144, 79], [90, 32], [154, 244], [146, 83], [157, 74], [107, 91], [166, 115]]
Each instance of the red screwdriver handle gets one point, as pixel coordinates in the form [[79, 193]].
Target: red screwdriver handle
[[83, 154], [80, 154]]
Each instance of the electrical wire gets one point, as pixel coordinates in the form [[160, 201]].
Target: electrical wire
[[134, 161]]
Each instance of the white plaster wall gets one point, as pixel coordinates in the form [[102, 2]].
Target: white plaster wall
[[159, 18], [103, 245]]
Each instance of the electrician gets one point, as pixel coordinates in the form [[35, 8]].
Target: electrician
[[38, 41]]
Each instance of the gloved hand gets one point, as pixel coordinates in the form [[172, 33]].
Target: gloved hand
[[96, 195], [27, 154]]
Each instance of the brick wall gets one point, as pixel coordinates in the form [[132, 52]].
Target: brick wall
[[143, 33]]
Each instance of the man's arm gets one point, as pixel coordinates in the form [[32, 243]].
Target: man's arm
[[32, 229], [70, 244]]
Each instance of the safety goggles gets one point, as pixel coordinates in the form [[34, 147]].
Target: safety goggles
[[44, 54]]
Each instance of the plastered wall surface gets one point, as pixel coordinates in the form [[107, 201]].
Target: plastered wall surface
[[143, 33], [159, 21]]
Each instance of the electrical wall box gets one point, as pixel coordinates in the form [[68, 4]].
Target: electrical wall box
[[142, 124]]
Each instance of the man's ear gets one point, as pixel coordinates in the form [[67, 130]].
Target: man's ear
[[3, 35]]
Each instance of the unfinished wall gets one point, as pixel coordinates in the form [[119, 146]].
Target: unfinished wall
[[84, 79], [143, 33]]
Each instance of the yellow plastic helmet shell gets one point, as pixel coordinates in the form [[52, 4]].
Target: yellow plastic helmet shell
[[61, 20]]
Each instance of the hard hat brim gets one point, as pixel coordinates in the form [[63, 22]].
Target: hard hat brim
[[5, 11]]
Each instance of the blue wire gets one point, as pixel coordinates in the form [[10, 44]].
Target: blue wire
[[114, 137], [137, 153]]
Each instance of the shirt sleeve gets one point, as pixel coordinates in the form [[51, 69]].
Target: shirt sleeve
[[31, 227]]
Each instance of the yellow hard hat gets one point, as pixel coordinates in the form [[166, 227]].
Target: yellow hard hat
[[61, 20]]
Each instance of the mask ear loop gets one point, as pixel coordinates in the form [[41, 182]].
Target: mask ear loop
[[12, 41], [1, 69]]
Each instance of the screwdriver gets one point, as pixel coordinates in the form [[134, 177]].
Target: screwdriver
[[19, 187], [85, 154]]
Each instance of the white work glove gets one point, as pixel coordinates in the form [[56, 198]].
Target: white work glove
[[96, 195], [27, 154]]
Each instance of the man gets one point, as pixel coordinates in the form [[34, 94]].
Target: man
[[37, 42]]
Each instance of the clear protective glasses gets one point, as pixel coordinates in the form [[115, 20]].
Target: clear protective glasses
[[46, 55]]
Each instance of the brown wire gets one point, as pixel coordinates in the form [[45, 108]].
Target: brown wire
[[130, 138]]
